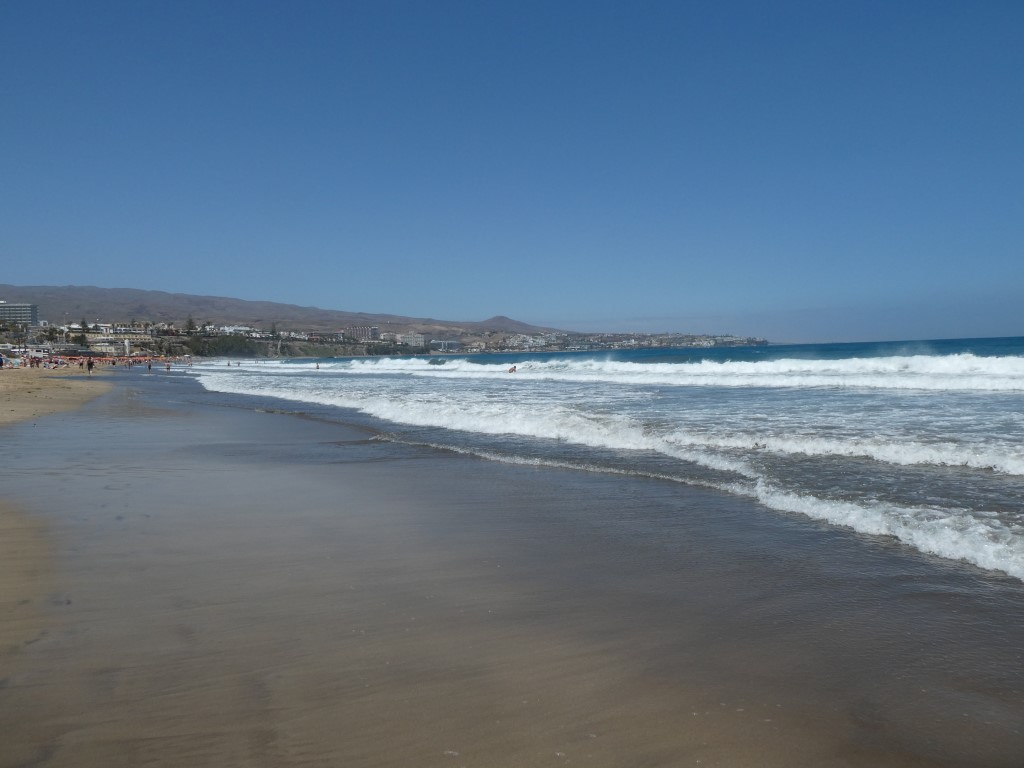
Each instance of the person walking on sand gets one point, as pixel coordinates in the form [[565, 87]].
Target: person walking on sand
[[89, 365]]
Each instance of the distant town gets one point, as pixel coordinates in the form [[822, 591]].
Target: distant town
[[23, 332]]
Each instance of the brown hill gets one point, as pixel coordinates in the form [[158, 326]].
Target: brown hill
[[71, 303]]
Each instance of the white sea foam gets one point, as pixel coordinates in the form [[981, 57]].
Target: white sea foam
[[553, 421], [951, 534], [964, 412], [1005, 458], [533, 461], [963, 372], [954, 534]]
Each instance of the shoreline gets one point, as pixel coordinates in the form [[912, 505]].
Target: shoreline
[[237, 585], [26, 551]]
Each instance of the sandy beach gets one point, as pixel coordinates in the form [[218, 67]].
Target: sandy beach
[[27, 393], [202, 582], [25, 550]]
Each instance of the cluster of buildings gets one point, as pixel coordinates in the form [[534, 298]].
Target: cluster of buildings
[[369, 334], [29, 334], [125, 339]]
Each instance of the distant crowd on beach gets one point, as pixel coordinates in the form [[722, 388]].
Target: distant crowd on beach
[[87, 363]]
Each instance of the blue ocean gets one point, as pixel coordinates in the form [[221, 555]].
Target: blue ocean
[[920, 442]]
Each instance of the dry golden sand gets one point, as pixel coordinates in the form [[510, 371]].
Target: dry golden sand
[[27, 393]]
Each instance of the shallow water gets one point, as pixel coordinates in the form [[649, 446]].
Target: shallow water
[[921, 441], [237, 583]]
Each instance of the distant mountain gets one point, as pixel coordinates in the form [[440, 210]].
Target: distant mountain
[[72, 303], [508, 325]]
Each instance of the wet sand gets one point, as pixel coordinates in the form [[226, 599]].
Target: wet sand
[[26, 577], [25, 550], [238, 587]]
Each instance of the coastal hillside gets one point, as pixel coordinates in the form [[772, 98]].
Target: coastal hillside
[[71, 303]]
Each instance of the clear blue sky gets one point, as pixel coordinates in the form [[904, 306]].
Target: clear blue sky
[[797, 170]]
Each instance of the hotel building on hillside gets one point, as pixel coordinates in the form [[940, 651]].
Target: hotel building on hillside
[[364, 332], [22, 314]]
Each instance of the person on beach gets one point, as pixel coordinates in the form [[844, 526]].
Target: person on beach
[[90, 365]]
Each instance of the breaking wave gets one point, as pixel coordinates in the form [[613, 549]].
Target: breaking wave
[[917, 372], [833, 449]]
